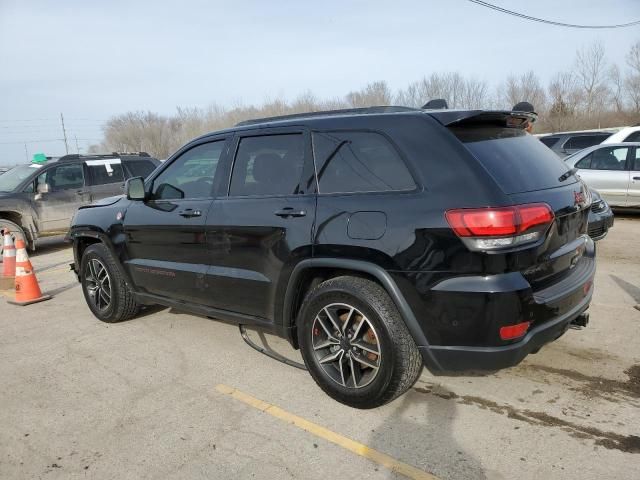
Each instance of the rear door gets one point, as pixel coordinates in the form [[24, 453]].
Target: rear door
[[605, 170], [166, 246], [633, 197], [60, 190], [106, 178], [263, 227]]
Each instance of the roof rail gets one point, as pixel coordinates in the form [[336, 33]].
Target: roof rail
[[74, 156], [347, 111]]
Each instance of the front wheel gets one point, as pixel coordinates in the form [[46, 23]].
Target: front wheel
[[355, 343], [106, 292]]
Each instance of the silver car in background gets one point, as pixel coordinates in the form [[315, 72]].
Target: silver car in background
[[613, 170]]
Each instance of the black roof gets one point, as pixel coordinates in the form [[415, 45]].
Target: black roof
[[76, 157]]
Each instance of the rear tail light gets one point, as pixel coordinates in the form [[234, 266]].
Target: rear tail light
[[500, 227], [514, 331]]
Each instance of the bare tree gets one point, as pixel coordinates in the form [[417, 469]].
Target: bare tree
[[632, 79], [376, 93], [591, 72], [523, 88], [564, 98]]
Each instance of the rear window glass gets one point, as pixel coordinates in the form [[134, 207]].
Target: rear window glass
[[583, 141], [634, 137], [140, 168], [517, 161], [549, 141], [105, 172]]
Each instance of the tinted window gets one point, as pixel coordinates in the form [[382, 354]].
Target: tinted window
[[190, 175], [583, 141], [140, 168], [63, 177], [359, 162], [517, 161], [613, 158], [268, 165], [105, 171], [636, 162], [585, 163], [549, 141], [634, 137]]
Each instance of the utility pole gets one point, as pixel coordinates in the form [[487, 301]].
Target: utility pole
[[64, 132], [26, 153], [77, 147]]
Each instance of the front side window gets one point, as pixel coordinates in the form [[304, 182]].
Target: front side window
[[268, 165], [62, 177], [190, 175], [614, 158], [349, 162], [636, 161], [104, 172], [633, 137]]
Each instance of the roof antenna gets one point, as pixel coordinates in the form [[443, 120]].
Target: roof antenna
[[436, 104]]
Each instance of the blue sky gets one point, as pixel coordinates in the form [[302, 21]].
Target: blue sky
[[92, 60]]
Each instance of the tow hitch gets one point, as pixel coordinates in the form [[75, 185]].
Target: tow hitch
[[580, 321]]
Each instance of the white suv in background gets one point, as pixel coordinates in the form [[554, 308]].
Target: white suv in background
[[628, 134]]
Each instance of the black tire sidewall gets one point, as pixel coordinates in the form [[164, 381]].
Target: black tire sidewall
[[97, 252], [342, 292]]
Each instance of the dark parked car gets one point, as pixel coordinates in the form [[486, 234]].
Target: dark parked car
[[375, 240], [565, 144], [600, 217], [40, 199]]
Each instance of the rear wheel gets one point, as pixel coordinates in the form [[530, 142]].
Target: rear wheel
[[107, 294], [355, 343]]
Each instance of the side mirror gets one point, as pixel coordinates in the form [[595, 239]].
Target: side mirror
[[43, 188], [134, 189]]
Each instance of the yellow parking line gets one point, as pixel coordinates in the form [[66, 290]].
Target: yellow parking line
[[333, 437]]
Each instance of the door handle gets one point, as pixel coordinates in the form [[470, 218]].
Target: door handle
[[636, 178], [289, 212], [190, 213], [81, 192]]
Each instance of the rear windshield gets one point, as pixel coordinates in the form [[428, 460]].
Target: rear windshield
[[517, 161]]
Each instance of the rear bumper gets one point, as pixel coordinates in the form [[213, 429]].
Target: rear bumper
[[479, 306], [464, 358]]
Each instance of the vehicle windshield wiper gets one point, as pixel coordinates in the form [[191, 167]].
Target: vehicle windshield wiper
[[567, 174]]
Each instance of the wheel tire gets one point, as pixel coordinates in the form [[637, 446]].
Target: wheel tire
[[15, 229], [122, 304], [399, 361]]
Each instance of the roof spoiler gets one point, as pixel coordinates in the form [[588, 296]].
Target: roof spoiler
[[500, 118]]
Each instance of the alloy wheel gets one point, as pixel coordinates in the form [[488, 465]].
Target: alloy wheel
[[346, 345], [98, 284]]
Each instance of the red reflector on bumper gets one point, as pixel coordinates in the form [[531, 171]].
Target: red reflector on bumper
[[514, 331]]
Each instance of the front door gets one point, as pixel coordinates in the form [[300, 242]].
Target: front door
[[60, 190], [260, 231], [605, 170], [166, 245]]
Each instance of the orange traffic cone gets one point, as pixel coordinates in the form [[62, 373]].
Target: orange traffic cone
[[27, 288], [8, 256]]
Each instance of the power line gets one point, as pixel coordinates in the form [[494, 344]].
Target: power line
[[550, 22]]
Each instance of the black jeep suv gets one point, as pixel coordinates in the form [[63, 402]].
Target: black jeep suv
[[40, 198], [376, 240]]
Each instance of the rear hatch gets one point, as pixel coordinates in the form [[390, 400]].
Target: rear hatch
[[529, 173]]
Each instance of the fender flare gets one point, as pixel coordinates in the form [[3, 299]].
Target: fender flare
[[379, 274], [106, 241]]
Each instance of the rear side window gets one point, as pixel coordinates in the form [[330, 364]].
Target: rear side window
[[549, 141], [633, 137], [583, 141], [140, 168], [268, 165], [517, 161], [349, 162], [103, 172]]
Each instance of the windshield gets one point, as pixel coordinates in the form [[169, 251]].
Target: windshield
[[10, 180]]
